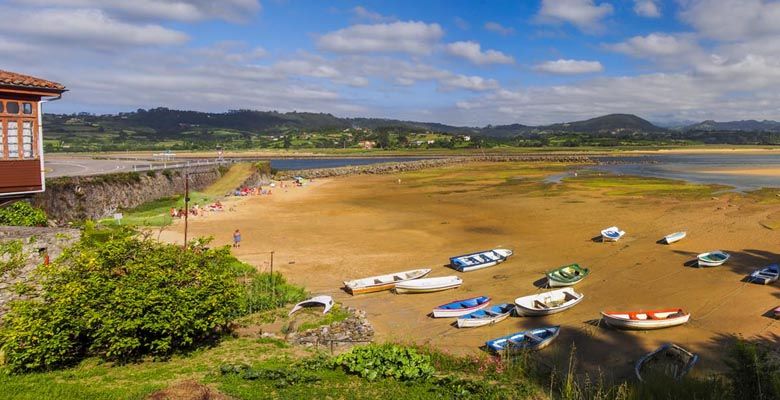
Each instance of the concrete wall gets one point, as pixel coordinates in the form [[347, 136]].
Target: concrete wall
[[92, 197]]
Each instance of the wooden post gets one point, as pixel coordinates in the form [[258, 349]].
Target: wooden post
[[186, 205], [273, 287]]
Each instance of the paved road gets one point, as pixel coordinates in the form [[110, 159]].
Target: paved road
[[56, 166]]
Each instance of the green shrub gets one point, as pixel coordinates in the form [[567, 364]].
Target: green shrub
[[22, 213], [120, 296], [12, 256], [386, 361], [754, 373]]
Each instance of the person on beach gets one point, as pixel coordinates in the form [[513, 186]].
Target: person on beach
[[236, 238]]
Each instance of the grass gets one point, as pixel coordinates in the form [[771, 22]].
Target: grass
[[157, 212], [614, 185], [235, 176], [336, 314]]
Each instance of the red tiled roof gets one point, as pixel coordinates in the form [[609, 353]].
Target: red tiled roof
[[14, 79]]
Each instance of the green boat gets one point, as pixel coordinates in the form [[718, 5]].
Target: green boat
[[566, 275]]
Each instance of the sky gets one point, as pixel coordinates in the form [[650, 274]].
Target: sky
[[461, 62]]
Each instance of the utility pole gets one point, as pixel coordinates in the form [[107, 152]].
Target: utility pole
[[186, 205], [273, 287]]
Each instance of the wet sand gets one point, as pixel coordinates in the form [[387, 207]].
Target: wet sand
[[353, 227], [764, 171]]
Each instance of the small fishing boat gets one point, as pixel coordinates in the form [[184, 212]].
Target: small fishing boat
[[766, 275], [547, 303], [487, 316], [712, 258], [612, 234], [458, 308], [670, 360], [674, 237], [645, 320], [534, 339], [566, 275], [427, 285], [383, 282], [479, 260], [315, 301]]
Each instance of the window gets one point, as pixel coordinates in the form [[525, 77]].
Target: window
[[13, 140], [2, 109], [27, 139], [12, 107], [27, 108]]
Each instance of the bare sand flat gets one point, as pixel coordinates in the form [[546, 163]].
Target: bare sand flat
[[353, 227]]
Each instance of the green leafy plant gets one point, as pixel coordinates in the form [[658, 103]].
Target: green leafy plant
[[21, 213], [120, 296], [386, 361], [265, 291], [12, 256], [754, 372], [282, 378]]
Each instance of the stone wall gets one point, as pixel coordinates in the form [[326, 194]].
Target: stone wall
[[354, 330], [34, 240], [93, 197], [395, 167]]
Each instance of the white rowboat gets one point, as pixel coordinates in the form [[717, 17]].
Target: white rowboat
[[675, 237], [611, 234], [547, 303], [383, 282], [712, 258], [645, 320], [427, 285]]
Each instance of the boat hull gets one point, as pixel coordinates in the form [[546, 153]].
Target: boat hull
[[475, 323], [524, 306], [497, 256], [707, 259], [674, 237], [766, 275], [458, 312], [686, 361], [503, 346], [612, 319], [357, 287], [428, 285]]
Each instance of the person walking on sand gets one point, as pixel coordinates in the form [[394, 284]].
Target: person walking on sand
[[236, 238]]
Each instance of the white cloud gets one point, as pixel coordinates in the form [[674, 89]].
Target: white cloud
[[461, 23], [406, 37], [569, 67], [474, 83], [732, 20], [366, 14], [656, 45], [498, 28], [178, 10], [647, 8], [87, 27], [584, 14], [472, 51]]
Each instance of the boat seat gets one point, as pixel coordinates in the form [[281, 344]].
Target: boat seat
[[539, 304], [632, 316], [565, 274], [651, 315], [533, 337], [397, 278]]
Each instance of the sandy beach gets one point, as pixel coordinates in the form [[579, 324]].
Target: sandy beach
[[352, 227], [764, 171]]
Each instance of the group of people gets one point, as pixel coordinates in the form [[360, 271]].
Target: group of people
[[255, 191], [196, 210]]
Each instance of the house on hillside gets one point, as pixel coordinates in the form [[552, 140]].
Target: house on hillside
[[21, 132], [367, 144]]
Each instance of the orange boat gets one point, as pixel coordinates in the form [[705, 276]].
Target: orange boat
[[648, 319], [383, 282]]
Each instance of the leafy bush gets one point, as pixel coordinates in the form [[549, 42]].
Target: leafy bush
[[120, 296], [754, 373], [12, 256], [391, 361], [22, 213], [282, 377]]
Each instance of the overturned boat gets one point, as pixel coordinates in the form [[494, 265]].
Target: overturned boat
[[316, 301], [479, 260], [670, 360]]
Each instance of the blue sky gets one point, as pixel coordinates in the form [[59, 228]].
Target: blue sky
[[457, 62]]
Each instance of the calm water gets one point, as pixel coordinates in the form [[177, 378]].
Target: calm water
[[313, 163], [688, 166]]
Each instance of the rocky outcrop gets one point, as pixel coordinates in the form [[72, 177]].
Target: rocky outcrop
[[18, 281], [354, 330], [395, 167], [93, 197]]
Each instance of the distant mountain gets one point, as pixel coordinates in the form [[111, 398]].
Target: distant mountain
[[611, 123], [750, 125]]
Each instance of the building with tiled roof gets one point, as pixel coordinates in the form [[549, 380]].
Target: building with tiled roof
[[21, 132]]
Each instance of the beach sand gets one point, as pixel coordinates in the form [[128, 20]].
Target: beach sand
[[752, 171], [353, 227]]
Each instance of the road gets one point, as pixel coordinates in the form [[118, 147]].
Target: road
[[56, 166]]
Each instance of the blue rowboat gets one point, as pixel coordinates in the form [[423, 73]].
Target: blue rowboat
[[461, 307], [534, 339], [765, 275], [479, 260]]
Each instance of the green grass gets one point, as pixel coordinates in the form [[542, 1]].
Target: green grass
[[157, 212], [336, 314], [614, 185]]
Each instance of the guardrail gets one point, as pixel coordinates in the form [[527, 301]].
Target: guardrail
[[174, 165]]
